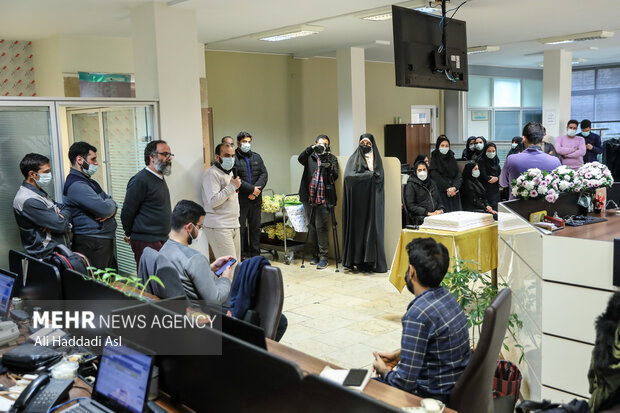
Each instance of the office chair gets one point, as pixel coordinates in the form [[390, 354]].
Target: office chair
[[473, 392], [147, 267], [269, 299], [36, 280]]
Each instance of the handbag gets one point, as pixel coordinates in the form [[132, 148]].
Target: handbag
[[29, 357], [575, 406]]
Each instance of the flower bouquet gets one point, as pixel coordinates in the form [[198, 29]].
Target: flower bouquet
[[595, 175], [535, 184], [566, 179]]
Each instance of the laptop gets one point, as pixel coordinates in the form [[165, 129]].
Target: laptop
[[122, 382], [7, 282]]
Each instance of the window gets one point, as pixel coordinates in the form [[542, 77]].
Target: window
[[499, 107], [596, 96]]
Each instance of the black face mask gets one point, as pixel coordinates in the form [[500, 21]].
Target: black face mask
[[366, 148]]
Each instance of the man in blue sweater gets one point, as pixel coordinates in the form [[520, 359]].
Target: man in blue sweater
[[146, 209], [92, 210]]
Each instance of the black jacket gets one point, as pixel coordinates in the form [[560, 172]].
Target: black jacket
[[258, 170], [421, 198], [473, 195], [309, 160]]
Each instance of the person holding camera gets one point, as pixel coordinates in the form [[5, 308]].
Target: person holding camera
[[318, 194]]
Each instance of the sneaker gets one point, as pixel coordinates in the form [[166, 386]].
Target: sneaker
[[322, 264], [314, 261]]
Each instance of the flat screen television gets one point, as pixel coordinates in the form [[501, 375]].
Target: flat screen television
[[417, 41]]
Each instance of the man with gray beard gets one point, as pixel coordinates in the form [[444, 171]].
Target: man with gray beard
[[146, 210]]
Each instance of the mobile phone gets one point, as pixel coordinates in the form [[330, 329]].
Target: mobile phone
[[223, 268], [355, 378]]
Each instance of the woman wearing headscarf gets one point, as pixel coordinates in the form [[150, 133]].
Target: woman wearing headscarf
[[516, 146], [445, 174], [363, 211], [470, 148], [479, 145], [489, 174], [421, 195], [422, 157], [473, 194]]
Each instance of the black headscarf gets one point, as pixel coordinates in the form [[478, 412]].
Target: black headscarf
[[519, 141], [357, 162], [444, 164], [420, 158], [414, 174], [467, 176], [491, 166], [468, 153], [484, 145]]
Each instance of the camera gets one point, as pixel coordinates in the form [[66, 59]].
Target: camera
[[320, 149]]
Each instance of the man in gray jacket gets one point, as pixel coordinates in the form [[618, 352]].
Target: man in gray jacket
[[221, 203], [196, 274], [42, 223], [92, 210]]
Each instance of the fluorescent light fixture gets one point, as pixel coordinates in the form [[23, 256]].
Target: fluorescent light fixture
[[482, 49], [579, 37], [574, 62], [428, 10], [376, 15], [290, 33]]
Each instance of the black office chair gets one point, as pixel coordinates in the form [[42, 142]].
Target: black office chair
[[473, 392], [36, 280], [147, 267]]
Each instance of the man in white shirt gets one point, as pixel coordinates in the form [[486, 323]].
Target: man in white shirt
[[221, 203]]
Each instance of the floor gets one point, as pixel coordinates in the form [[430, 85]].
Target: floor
[[341, 317]]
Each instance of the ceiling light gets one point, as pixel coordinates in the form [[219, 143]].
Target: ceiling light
[[428, 10], [579, 37], [376, 15], [574, 62], [290, 33], [482, 49]]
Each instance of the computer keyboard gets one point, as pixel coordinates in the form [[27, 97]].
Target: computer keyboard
[[578, 220]]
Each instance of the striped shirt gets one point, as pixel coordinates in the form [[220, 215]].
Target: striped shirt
[[435, 345]]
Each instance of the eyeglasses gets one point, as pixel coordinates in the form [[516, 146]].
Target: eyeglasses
[[198, 226], [165, 154]]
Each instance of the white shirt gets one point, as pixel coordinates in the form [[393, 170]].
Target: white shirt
[[160, 176]]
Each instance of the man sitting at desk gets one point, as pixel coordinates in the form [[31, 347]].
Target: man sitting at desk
[[197, 275], [435, 343]]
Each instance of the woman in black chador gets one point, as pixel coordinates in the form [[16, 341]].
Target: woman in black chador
[[363, 211]]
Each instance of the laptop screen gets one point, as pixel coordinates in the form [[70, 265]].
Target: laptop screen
[[7, 281], [123, 378]]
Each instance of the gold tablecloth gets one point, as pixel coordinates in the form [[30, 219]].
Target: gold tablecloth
[[478, 244]]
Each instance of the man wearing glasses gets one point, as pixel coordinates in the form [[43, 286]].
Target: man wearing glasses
[[146, 209]]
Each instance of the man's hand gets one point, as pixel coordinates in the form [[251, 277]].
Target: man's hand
[[217, 264], [236, 182], [127, 239], [43, 229], [589, 147], [102, 219], [252, 197], [385, 362], [256, 191], [493, 179]]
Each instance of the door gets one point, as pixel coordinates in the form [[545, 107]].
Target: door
[[426, 114]]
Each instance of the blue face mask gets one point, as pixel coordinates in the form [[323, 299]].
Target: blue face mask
[[227, 163], [514, 145], [480, 146], [475, 173], [585, 134], [91, 169]]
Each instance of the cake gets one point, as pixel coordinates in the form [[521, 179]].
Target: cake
[[457, 221]]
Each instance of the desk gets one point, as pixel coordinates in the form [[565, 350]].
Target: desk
[[478, 244], [376, 390], [601, 231]]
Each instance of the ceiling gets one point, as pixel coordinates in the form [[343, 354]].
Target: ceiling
[[230, 25]]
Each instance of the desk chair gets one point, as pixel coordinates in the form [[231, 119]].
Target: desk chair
[[147, 267], [42, 280], [473, 392], [168, 275]]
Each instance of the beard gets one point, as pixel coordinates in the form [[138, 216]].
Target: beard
[[164, 168], [409, 282]]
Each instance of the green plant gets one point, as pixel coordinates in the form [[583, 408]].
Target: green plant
[[474, 291], [109, 277]]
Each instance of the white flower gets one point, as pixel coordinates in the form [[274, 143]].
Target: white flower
[[529, 185], [534, 172], [564, 185], [567, 177], [515, 191], [542, 189]]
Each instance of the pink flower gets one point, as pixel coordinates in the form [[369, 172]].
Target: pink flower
[[588, 175], [550, 198], [533, 193]]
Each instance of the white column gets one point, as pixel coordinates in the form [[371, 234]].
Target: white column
[[351, 98], [557, 80], [166, 68]]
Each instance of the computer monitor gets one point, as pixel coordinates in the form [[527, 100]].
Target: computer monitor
[[7, 282], [417, 57], [123, 379]]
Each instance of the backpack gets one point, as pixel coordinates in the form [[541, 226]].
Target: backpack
[[62, 257]]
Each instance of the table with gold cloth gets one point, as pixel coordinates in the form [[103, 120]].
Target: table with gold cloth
[[478, 244]]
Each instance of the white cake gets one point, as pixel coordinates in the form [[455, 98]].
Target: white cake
[[457, 221]]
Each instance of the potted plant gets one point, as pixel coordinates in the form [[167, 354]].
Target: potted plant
[[474, 291], [127, 285]]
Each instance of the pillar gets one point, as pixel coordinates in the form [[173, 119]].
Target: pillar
[[557, 80], [351, 98]]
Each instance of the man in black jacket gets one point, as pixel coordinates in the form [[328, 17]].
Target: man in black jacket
[[317, 191], [251, 169]]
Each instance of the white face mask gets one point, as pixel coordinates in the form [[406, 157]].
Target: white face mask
[[571, 132], [246, 146], [490, 155], [91, 168], [444, 151], [422, 175], [480, 146], [45, 179], [475, 173], [192, 238], [227, 163], [514, 145], [472, 146]]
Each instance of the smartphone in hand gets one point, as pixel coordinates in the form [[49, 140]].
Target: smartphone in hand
[[223, 267]]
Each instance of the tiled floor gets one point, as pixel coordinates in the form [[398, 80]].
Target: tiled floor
[[341, 317]]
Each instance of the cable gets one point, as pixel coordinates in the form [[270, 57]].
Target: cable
[[65, 403]]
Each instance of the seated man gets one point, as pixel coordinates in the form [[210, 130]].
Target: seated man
[[435, 343], [197, 275], [42, 223]]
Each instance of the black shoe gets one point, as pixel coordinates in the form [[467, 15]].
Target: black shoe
[[322, 264], [314, 261]]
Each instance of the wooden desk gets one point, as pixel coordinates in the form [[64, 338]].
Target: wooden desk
[[377, 390], [601, 231]]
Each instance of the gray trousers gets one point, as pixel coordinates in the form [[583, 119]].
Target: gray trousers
[[318, 229]]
